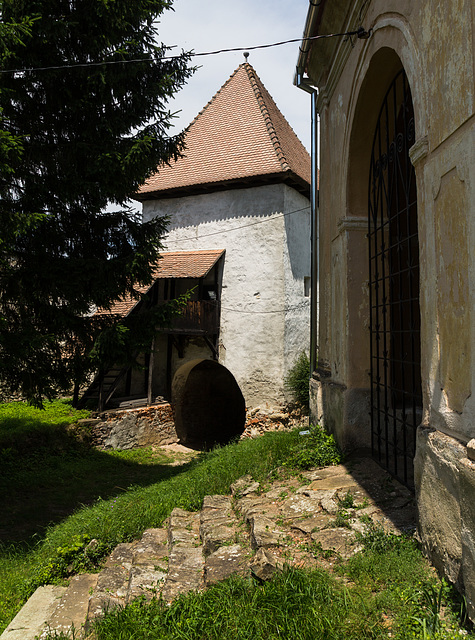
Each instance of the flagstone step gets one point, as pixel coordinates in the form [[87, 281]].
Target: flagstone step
[[32, 619], [255, 530]]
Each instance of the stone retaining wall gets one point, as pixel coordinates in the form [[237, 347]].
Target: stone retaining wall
[[154, 426], [131, 428], [445, 487]]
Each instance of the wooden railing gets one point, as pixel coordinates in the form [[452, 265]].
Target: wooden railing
[[199, 317]]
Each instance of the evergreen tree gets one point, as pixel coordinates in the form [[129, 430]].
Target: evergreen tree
[[83, 123]]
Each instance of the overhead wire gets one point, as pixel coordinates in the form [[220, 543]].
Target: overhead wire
[[301, 305], [174, 57]]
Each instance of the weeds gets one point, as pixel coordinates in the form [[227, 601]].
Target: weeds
[[315, 449]]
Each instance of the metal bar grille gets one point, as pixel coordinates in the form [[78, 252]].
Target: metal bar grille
[[396, 397]]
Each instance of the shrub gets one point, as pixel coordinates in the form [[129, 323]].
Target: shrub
[[314, 449], [296, 380]]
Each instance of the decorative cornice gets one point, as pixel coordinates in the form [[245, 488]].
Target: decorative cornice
[[419, 150], [352, 223]]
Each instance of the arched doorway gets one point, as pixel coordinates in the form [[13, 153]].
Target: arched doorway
[[395, 352]]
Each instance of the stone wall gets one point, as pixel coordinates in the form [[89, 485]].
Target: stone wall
[[132, 428], [154, 426]]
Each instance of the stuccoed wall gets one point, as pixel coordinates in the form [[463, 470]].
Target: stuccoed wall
[[267, 258], [433, 41], [445, 480]]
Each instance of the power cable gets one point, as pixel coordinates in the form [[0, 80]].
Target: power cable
[[301, 305], [360, 32]]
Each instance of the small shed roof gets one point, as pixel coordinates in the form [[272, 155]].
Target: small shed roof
[[172, 264]]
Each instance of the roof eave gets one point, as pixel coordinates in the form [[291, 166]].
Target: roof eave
[[287, 177], [312, 23]]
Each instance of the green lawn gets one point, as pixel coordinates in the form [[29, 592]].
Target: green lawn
[[58, 493]]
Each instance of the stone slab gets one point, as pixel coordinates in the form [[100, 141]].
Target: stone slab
[[264, 533], [333, 482], [185, 572], [340, 540], [471, 449], [145, 581], [113, 581], [121, 556], [299, 505], [241, 484], [217, 534], [265, 564], [150, 553], [71, 612], [217, 502], [312, 524], [224, 562], [326, 472], [185, 558], [156, 536], [277, 493], [32, 618]]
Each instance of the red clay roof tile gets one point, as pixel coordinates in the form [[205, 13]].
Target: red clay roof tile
[[240, 134], [172, 264]]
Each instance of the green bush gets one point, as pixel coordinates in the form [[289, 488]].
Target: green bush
[[314, 449], [296, 380]]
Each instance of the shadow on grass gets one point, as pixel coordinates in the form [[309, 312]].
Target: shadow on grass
[[47, 473]]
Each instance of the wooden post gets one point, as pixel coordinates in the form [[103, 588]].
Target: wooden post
[[150, 372]]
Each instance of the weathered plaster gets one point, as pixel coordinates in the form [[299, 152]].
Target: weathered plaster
[[453, 290], [434, 41], [264, 312]]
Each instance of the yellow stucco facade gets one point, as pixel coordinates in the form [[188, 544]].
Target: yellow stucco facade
[[432, 42]]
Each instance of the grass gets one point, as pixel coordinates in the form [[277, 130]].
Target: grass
[[376, 595], [386, 591], [48, 471], [68, 494]]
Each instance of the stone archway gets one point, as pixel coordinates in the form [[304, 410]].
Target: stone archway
[[391, 441]]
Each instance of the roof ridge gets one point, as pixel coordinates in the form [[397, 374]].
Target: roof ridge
[[255, 82]]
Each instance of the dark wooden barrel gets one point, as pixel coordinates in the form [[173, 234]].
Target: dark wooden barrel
[[208, 404]]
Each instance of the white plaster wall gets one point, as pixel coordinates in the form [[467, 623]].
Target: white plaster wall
[[249, 224], [297, 259]]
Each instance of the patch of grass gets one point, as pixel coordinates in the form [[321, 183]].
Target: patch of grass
[[403, 586], [315, 449], [128, 498], [296, 604]]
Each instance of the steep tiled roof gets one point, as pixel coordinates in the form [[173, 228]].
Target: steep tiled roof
[[173, 264], [239, 137]]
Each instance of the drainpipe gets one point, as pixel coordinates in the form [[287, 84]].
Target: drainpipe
[[305, 85], [312, 24]]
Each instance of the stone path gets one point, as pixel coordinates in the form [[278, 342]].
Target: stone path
[[304, 521]]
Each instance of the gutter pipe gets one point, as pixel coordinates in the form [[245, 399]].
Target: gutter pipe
[[304, 84], [312, 23]]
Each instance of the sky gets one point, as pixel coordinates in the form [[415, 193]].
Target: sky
[[208, 25]]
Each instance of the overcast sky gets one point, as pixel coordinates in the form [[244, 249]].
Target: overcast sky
[[207, 25]]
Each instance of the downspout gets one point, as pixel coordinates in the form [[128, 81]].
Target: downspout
[[312, 24], [304, 84]]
